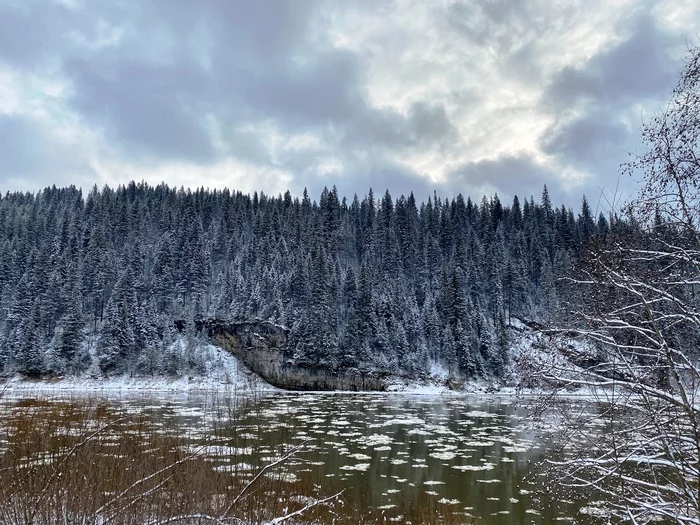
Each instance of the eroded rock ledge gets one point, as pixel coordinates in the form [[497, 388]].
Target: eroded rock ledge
[[263, 347]]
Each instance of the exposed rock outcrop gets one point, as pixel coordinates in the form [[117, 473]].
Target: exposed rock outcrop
[[262, 347]]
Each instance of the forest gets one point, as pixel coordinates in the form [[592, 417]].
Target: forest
[[373, 285]]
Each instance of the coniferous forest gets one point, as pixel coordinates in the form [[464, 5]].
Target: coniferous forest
[[374, 284]]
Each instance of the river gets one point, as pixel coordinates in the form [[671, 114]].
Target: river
[[468, 459]]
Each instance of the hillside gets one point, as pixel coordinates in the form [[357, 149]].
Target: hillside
[[209, 368], [371, 286]]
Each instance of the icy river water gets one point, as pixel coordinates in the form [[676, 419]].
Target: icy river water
[[475, 457]]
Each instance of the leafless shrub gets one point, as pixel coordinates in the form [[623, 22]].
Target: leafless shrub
[[640, 315]]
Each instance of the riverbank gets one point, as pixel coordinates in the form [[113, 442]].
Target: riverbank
[[532, 355], [222, 372]]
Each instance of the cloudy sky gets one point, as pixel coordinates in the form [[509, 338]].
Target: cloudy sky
[[475, 97]]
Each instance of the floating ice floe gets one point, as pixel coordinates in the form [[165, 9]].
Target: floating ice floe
[[481, 413], [283, 476], [475, 468], [358, 466], [596, 509], [478, 443], [403, 420], [377, 439], [239, 467], [516, 449], [443, 455], [359, 457], [220, 450]]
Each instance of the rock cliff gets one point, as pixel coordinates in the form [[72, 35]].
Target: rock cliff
[[262, 347]]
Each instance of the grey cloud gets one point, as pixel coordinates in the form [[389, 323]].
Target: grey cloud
[[640, 66], [266, 62], [594, 136], [17, 134], [147, 110], [27, 34], [389, 132], [267, 30], [379, 176], [570, 86], [505, 173], [637, 67], [480, 21], [152, 109], [155, 110], [429, 122], [253, 66], [606, 93], [313, 94], [503, 30], [29, 155], [246, 145]]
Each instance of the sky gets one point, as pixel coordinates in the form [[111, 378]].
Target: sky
[[471, 97]]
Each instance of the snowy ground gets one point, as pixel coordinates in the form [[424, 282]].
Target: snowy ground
[[223, 373], [532, 353]]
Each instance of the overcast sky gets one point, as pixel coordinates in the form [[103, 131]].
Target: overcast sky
[[470, 97]]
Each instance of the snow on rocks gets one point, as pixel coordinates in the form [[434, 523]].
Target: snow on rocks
[[222, 373]]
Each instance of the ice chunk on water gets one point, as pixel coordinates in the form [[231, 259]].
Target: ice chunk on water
[[359, 466], [485, 466]]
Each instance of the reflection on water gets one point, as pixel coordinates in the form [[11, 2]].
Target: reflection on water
[[462, 456]]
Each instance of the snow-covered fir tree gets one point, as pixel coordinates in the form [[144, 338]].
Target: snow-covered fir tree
[[369, 284]]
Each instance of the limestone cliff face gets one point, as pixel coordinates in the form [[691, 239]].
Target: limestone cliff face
[[262, 347]]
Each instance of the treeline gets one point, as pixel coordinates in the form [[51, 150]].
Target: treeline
[[375, 284]]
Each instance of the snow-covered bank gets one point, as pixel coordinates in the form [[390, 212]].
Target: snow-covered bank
[[534, 357], [531, 354], [222, 373]]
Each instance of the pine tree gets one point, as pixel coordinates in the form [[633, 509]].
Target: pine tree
[[372, 284], [30, 356], [70, 352]]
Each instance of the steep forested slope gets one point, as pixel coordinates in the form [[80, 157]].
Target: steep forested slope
[[372, 284]]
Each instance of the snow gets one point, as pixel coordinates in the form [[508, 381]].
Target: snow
[[475, 468], [443, 455], [223, 373], [531, 352], [517, 324], [359, 466], [531, 355], [377, 439]]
